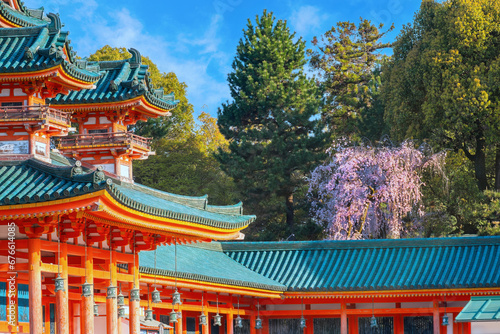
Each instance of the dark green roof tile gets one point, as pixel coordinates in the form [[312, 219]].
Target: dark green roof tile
[[38, 48], [24, 18], [206, 263], [121, 80], [439, 263]]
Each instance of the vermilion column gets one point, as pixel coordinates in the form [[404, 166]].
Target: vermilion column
[[134, 307], [62, 312], [230, 323], [252, 324], [343, 319], [436, 321], [111, 304], [35, 286], [88, 302], [205, 328], [178, 325]]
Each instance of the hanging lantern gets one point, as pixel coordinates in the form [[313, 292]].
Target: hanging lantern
[[373, 322], [121, 312], [111, 292], [445, 320], [120, 300], [96, 310], [135, 295], [173, 316], [203, 319], [149, 314], [155, 296], [258, 323], [238, 322], [176, 298], [179, 315], [302, 323], [86, 289], [59, 282], [217, 320]]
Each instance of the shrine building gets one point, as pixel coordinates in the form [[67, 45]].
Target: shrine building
[[85, 249]]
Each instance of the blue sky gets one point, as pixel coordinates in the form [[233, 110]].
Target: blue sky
[[197, 39]]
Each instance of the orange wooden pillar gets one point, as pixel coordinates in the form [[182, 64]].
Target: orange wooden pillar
[[62, 307], [35, 286], [205, 329], [87, 310], [435, 313], [343, 319], [265, 325], [230, 322], [135, 299], [178, 325], [111, 303], [252, 323]]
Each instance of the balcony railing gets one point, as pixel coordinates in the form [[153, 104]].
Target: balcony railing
[[34, 113], [103, 139]]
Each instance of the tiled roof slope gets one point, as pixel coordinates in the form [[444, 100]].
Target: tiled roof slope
[[38, 48], [121, 80], [206, 263], [33, 181], [440, 263], [24, 17]]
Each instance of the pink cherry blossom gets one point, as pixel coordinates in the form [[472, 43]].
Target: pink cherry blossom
[[370, 192]]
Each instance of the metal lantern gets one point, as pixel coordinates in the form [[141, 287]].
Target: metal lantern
[[179, 315], [176, 298], [203, 319], [373, 322], [217, 320], [238, 322], [149, 314], [258, 323], [59, 282], [96, 310], [173, 316], [86, 289], [445, 320], [135, 295], [302, 323], [120, 300], [121, 312], [111, 292], [155, 296]]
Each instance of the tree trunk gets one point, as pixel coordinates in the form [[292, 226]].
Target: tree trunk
[[497, 169], [480, 164], [290, 213]]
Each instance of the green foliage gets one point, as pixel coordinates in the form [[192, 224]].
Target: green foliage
[[186, 165], [182, 116], [445, 72], [272, 124], [347, 58]]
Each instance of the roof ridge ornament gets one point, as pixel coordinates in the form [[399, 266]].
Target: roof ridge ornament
[[136, 57], [55, 22]]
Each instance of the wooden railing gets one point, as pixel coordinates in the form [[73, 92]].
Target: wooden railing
[[34, 113], [103, 139]]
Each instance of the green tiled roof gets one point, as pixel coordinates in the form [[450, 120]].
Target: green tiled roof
[[24, 18], [191, 209], [367, 265], [206, 263], [481, 309], [38, 48], [33, 181], [121, 80]]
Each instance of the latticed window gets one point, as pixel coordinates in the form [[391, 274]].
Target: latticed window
[[23, 301], [3, 301], [326, 326], [385, 325], [418, 325], [284, 326]]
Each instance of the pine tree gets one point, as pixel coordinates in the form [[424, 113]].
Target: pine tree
[[272, 123]]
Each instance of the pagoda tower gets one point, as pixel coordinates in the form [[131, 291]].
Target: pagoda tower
[[123, 96], [36, 63]]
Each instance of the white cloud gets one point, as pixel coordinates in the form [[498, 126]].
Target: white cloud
[[307, 19]]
